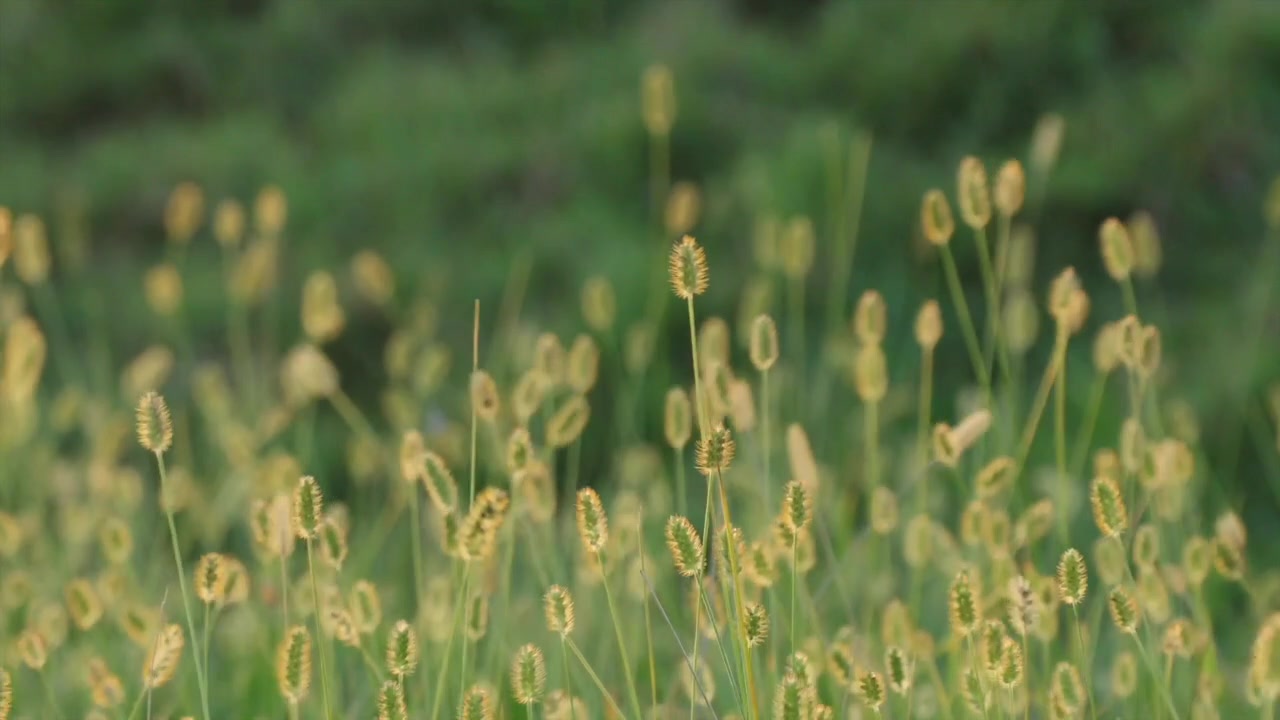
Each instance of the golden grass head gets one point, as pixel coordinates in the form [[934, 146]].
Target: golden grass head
[[928, 326], [797, 506], [898, 669], [153, 423], [687, 551], [794, 699], [688, 268], [973, 193], [479, 531], [438, 480], [677, 418], [883, 507], [568, 422], [1009, 671], [995, 477], [183, 212], [1124, 674], [477, 704], [528, 675], [871, 690], [402, 650], [1073, 577], [33, 649], [391, 703], [1146, 546], [308, 509], [755, 624], [83, 604], [1228, 559], [584, 364], [228, 223], [764, 342], [163, 289], [1147, 252], [964, 605], [870, 318], [1117, 249], [936, 221], [715, 451], [593, 523], [974, 692], [270, 211], [31, 259], [322, 316], [333, 543], [1011, 188], [796, 247], [684, 205], [208, 578], [485, 401], [1024, 605], [520, 451], [1066, 688], [6, 694], [163, 657], [870, 374], [293, 664], [1197, 559], [1109, 512], [558, 605], [599, 304], [658, 100], [1124, 610]]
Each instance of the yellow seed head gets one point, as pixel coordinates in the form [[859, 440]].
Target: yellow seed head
[[869, 318], [293, 664], [764, 342], [995, 477], [593, 523], [402, 650], [1124, 611], [83, 604], [584, 364], [1117, 248], [568, 422], [1073, 577], [528, 675], [794, 699], [965, 606], [477, 704], [322, 316], [755, 624], [234, 586], [797, 507], [684, 205], [928, 327], [935, 218], [1197, 559], [1147, 252], [1146, 546], [1124, 674], [484, 396], [558, 604], [154, 425], [1109, 511], [599, 305], [1228, 559], [184, 212], [333, 543], [973, 194], [208, 578], [658, 100], [871, 690], [796, 248], [163, 286], [1067, 689], [1109, 559], [677, 418], [308, 509], [270, 211], [228, 223], [31, 258], [688, 268], [686, 546], [883, 508], [33, 649], [478, 534], [439, 483], [1011, 188], [870, 374], [163, 656], [715, 451], [391, 703]]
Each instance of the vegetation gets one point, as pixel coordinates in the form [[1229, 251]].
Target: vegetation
[[723, 398]]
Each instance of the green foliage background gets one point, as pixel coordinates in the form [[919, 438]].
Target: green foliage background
[[459, 139]]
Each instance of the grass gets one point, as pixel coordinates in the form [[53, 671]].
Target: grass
[[908, 558]]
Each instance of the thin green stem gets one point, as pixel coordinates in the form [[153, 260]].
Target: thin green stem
[[648, 621], [966, 321], [205, 644], [990, 284], [682, 492], [201, 680], [766, 484], [622, 646], [415, 515], [568, 681], [315, 617], [594, 678], [1084, 662]]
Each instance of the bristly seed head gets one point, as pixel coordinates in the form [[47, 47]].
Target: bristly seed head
[[677, 418], [797, 509], [755, 624], [391, 704], [402, 650], [1073, 577], [1124, 611], [688, 268], [715, 451], [764, 342], [935, 218], [593, 523], [687, 551], [528, 675], [1109, 511], [559, 610], [965, 607], [154, 424], [973, 194], [308, 508], [208, 577]]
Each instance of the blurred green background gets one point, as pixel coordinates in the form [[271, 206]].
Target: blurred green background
[[461, 139]]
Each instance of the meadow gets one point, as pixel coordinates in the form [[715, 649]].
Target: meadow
[[424, 361]]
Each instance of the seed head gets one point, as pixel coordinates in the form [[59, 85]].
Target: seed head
[[33, 649], [677, 418], [797, 508], [935, 218], [869, 319], [228, 223], [584, 364], [438, 481], [684, 204], [234, 581], [154, 425], [1073, 577], [686, 547], [715, 451], [870, 374], [478, 534], [208, 578], [31, 258], [1197, 559], [688, 268], [929, 325], [1117, 248], [559, 610], [1009, 673], [965, 606], [899, 669], [528, 675], [1124, 611], [391, 704], [593, 523], [1109, 511], [567, 424], [163, 656], [755, 624], [996, 477], [402, 650], [1228, 559], [975, 695], [6, 694], [1147, 253], [519, 450], [1124, 674], [83, 604], [658, 100], [599, 306], [1146, 546], [333, 543], [308, 508], [884, 510], [484, 396], [794, 699], [973, 194], [293, 664], [1011, 188], [764, 342], [477, 704], [1024, 605], [1066, 688], [871, 690], [796, 248]]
